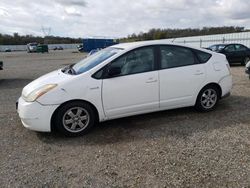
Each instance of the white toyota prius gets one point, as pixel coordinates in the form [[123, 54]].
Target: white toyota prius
[[124, 80]]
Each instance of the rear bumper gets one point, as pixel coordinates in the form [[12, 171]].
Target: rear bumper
[[35, 116], [226, 84]]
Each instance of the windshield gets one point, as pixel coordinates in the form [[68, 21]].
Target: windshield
[[221, 47], [217, 48], [33, 44], [94, 60]]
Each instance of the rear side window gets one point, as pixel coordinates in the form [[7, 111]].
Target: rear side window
[[239, 47], [203, 57], [175, 56]]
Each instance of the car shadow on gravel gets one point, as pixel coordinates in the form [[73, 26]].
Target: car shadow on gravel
[[13, 83], [236, 65], [179, 123]]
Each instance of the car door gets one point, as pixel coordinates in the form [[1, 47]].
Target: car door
[[231, 53], [136, 88], [180, 76], [241, 52]]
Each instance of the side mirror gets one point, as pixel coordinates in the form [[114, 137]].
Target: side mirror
[[114, 71]]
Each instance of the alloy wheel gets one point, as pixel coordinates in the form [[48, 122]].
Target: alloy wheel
[[76, 119], [209, 98]]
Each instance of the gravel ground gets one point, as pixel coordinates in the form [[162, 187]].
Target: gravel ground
[[176, 148]]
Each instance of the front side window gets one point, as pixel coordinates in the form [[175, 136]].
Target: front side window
[[175, 56], [94, 60], [136, 61], [230, 48]]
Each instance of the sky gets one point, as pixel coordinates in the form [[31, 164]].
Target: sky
[[117, 18]]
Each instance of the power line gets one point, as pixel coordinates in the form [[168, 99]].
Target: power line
[[46, 31]]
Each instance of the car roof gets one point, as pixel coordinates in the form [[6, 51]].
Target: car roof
[[132, 45], [219, 44]]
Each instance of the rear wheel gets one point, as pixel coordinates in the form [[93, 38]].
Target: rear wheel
[[75, 118], [207, 99]]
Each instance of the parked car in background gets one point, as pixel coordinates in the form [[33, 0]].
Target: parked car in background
[[80, 48], [60, 48], [7, 50], [32, 47], [235, 53], [1, 65], [124, 80]]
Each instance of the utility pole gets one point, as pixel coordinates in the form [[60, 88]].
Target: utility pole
[[46, 32]]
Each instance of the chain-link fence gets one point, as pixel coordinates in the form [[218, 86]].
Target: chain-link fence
[[196, 41], [208, 40]]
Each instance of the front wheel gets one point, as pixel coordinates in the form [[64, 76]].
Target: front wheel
[[75, 118], [207, 99]]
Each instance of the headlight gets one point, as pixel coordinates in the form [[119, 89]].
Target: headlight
[[34, 95]]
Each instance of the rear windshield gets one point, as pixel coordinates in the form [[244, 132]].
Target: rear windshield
[[94, 60]]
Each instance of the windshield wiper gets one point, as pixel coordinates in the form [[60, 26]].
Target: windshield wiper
[[69, 69]]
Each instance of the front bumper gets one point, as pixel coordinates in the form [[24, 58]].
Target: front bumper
[[35, 116]]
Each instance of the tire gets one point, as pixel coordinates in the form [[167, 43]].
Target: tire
[[207, 99], [75, 118], [246, 60]]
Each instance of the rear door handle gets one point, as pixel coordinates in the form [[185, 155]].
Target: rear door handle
[[151, 80], [198, 72]]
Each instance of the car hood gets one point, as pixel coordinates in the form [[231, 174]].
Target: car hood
[[55, 77]]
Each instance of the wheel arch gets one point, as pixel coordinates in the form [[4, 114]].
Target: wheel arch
[[70, 101], [214, 85]]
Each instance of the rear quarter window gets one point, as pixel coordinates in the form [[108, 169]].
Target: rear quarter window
[[203, 57]]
